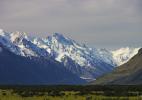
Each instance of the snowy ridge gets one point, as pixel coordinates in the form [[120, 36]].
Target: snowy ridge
[[5, 40], [122, 55], [87, 63], [20, 44]]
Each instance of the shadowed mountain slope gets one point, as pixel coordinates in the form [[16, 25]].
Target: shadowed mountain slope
[[15, 69]]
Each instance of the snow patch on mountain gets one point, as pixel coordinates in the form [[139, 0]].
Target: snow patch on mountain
[[123, 55]]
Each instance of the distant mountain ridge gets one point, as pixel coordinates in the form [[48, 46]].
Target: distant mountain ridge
[[129, 73], [123, 55], [87, 63]]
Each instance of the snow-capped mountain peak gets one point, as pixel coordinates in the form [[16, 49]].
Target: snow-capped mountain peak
[[60, 38], [66, 50], [4, 34], [58, 35], [1, 31], [122, 55], [18, 36]]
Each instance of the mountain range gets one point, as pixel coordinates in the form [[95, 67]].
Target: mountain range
[[55, 59]]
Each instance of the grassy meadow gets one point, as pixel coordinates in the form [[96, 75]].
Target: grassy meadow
[[70, 92]]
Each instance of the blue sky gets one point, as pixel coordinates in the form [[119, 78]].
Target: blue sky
[[98, 23]]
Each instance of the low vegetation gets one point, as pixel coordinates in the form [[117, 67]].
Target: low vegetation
[[63, 92]]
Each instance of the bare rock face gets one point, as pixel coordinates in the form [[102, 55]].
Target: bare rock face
[[140, 51]]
